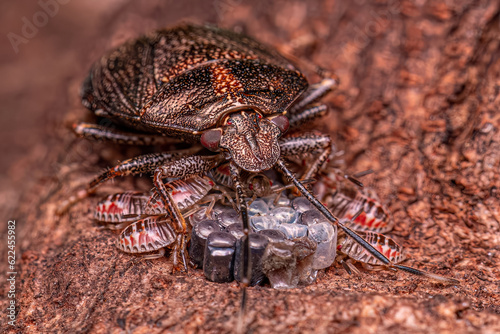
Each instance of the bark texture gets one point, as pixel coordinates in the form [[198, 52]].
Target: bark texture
[[418, 102]]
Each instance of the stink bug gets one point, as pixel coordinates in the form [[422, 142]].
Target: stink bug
[[229, 95]]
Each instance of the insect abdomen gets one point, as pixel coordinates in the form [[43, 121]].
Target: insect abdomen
[[185, 192], [384, 244], [147, 235], [121, 207]]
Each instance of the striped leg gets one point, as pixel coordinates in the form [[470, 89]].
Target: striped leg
[[97, 132], [142, 164], [313, 94], [181, 168], [308, 143]]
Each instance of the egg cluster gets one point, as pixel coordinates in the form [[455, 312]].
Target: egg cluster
[[289, 239], [289, 242]]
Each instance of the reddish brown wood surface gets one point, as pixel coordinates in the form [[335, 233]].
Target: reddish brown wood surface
[[418, 102]]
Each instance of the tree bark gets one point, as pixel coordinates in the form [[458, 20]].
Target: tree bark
[[418, 103]]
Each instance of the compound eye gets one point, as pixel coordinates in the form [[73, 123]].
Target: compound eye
[[282, 122], [211, 139]]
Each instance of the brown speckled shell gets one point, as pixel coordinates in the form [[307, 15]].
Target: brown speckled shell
[[184, 80]]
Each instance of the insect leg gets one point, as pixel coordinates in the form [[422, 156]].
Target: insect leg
[[180, 168], [226, 196], [114, 227], [303, 110], [350, 267], [313, 94], [369, 248], [96, 132], [142, 164], [307, 115], [357, 238], [247, 265], [308, 143], [139, 165]]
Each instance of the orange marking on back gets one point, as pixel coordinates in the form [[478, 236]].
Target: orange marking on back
[[224, 82]]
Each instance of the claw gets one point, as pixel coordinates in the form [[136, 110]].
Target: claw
[[180, 252]]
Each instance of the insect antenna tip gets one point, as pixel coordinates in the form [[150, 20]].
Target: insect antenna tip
[[434, 277]]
